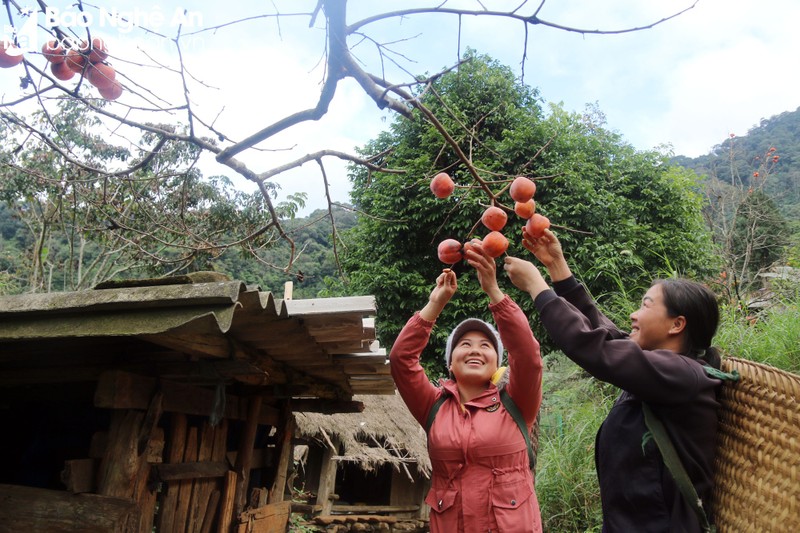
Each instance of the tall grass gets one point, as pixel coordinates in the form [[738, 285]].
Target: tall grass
[[771, 336], [566, 483]]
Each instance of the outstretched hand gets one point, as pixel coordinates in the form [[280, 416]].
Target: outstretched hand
[[525, 276], [547, 249], [446, 286], [486, 269]]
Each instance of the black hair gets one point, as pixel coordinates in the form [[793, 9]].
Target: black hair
[[698, 304]]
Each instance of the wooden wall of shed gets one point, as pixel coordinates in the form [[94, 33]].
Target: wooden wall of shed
[[173, 467], [406, 492]]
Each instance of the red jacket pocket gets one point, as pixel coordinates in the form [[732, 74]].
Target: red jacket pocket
[[441, 500]]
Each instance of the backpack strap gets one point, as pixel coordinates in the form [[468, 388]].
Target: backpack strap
[[515, 413], [512, 409], [434, 409], [673, 463], [719, 374]]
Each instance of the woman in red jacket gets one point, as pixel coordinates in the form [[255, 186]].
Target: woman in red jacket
[[660, 362], [481, 480]]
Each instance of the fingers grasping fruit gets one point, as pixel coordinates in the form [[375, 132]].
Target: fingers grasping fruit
[[495, 244], [537, 224]]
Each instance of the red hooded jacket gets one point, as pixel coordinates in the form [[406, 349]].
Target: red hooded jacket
[[481, 478]]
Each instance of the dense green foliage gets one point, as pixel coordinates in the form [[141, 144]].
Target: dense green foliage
[[625, 216]]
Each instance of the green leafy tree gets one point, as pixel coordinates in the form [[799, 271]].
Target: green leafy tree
[[86, 223], [624, 216]]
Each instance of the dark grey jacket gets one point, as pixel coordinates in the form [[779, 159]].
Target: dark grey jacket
[[637, 491]]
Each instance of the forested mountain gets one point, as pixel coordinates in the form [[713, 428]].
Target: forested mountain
[[769, 152], [316, 256], [312, 235]]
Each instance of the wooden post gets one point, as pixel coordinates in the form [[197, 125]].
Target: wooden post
[[185, 485], [327, 479], [121, 460], [228, 502], [276, 493], [245, 455], [177, 445]]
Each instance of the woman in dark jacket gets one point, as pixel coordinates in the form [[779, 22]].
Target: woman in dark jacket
[[659, 362]]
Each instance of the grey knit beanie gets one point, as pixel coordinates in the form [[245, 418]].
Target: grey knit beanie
[[473, 324]]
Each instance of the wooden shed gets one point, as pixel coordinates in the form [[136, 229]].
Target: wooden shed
[[169, 406], [374, 463]]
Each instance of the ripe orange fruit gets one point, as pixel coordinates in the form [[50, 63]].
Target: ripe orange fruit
[[54, 52], [442, 186], [75, 60], [494, 218], [449, 251], [99, 51], [101, 75], [10, 55], [537, 224], [525, 209], [495, 244], [61, 71], [111, 92], [522, 189]]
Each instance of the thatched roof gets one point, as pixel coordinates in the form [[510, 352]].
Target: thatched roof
[[385, 432]]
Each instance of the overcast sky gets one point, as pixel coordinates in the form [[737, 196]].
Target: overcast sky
[[717, 69]]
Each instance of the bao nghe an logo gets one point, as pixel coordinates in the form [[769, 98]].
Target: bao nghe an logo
[[25, 34]]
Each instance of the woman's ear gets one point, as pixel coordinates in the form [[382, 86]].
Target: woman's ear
[[678, 325]]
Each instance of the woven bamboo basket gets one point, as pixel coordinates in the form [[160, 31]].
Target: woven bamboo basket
[[757, 479]]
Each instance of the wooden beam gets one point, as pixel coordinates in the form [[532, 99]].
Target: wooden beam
[[362, 305], [193, 470], [122, 460], [27, 509], [79, 475], [268, 519], [123, 390], [326, 406]]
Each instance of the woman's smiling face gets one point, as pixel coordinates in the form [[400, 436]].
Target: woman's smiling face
[[474, 358], [650, 324]]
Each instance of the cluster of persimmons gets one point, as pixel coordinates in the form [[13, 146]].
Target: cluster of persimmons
[[495, 244], [66, 59]]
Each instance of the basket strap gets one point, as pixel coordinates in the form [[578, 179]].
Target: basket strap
[[720, 374], [673, 463]]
